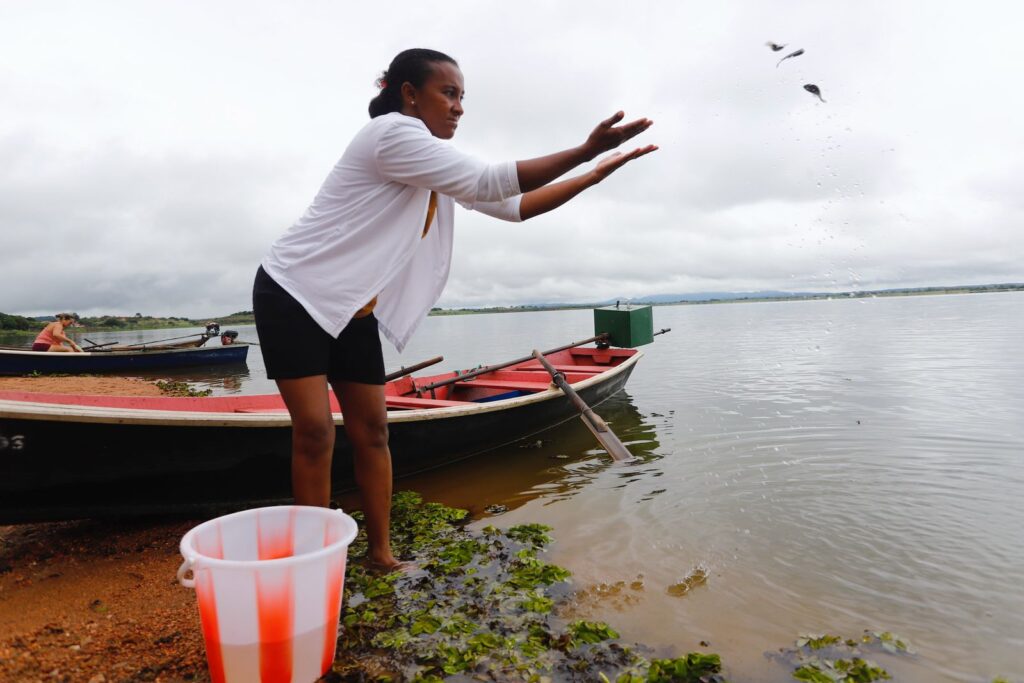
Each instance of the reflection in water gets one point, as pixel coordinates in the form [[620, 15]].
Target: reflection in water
[[833, 466], [565, 461], [222, 380], [230, 378]]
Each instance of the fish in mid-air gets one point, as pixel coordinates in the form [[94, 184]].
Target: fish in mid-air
[[814, 90], [794, 53], [775, 46]]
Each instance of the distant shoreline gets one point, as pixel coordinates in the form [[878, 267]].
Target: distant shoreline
[[810, 296], [140, 323]]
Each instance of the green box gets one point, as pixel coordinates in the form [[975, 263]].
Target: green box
[[627, 326]]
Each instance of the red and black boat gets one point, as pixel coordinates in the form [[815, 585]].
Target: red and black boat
[[73, 456]]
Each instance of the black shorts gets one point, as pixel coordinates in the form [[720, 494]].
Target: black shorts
[[294, 346]]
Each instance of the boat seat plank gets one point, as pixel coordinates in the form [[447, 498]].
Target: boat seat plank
[[484, 383], [413, 402], [592, 369]]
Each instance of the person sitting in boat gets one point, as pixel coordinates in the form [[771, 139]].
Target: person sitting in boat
[[52, 338], [372, 253]]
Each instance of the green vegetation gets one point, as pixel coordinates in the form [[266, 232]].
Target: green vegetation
[[483, 605], [119, 323], [827, 658], [148, 322], [870, 294], [682, 300], [486, 606], [172, 388], [19, 323]]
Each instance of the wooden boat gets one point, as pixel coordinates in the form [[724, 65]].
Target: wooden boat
[[21, 361], [64, 457]]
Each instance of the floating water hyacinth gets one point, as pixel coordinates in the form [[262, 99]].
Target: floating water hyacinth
[[794, 53], [814, 90], [775, 46]]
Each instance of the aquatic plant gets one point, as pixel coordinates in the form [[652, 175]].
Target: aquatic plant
[[828, 658], [486, 605], [698, 576], [481, 605], [172, 388]]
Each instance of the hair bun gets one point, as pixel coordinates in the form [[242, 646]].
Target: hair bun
[[382, 80]]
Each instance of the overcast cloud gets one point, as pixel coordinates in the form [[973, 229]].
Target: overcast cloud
[[151, 151]]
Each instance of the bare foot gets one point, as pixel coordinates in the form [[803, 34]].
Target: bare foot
[[392, 567]]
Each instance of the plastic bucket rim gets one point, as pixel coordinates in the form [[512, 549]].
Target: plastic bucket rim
[[199, 561]]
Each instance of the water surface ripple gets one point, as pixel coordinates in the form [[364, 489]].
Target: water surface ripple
[[833, 465]]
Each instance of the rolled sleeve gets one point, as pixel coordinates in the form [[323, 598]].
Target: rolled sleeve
[[407, 153], [506, 210]]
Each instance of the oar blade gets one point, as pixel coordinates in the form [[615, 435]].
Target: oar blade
[[608, 440], [598, 427]]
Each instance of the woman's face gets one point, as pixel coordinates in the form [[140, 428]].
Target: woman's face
[[439, 102]]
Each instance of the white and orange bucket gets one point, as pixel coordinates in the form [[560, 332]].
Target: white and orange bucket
[[269, 585]]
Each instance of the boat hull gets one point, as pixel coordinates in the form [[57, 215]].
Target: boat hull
[[60, 464], [28, 362]]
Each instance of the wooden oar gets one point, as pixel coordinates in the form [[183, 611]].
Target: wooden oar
[[594, 423], [402, 372], [498, 366], [97, 346]]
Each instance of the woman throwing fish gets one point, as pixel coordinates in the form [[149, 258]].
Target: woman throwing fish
[[372, 253]]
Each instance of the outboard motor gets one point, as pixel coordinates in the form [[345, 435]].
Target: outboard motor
[[212, 329], [228, 337]]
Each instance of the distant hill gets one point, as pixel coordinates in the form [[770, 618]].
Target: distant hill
[[761, 295], [714, 296], [19, 323], [113, 323]]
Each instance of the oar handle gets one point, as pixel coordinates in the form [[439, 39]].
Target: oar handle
[[402, 372], [98, 346], [498, 366]]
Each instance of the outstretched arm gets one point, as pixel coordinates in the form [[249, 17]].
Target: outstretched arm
[[536, 173], [552, 196], [59, 335]]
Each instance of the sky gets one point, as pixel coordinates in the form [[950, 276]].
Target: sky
[[150, 152]]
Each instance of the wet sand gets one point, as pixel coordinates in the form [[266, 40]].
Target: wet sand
[[82, 384], [96, 601]]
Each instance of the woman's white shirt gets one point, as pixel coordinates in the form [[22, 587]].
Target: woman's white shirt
[[363, 234]]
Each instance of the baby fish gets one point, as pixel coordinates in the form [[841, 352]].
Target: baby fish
[[794, 53], [775, 46], [814, 90]]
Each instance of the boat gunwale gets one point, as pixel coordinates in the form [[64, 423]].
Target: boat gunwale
[[62, 412], [124, 351]]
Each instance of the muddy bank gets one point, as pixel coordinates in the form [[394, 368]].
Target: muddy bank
[[82, 384], [97, 601]]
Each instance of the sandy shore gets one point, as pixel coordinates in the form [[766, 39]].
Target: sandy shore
[[82, 384], [97, 601]]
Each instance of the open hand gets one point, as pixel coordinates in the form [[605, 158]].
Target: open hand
[[607, 136], [614, 162]]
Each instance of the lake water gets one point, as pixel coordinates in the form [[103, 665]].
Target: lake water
[[833, 466]]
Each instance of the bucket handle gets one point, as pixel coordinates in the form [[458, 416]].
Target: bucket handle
[[185, 568]]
